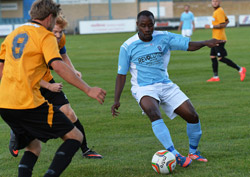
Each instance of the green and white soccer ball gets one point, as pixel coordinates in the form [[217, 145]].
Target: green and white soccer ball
[[163, 162]]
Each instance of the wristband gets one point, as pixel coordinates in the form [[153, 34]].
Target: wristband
[[211, 26]]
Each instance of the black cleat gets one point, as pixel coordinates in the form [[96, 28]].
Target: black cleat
[[90, 154], [13, 152]]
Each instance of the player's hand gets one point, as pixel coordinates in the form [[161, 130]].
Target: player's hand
[[78, 73], [214, 42], [55, 87], [207, 26], [114, 109], [97, 93]]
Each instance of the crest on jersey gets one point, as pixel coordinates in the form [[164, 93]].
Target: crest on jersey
[[159, 48]]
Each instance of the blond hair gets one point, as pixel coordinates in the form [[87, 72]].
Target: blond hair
[[61, 21]]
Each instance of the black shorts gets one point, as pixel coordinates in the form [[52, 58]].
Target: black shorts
[[219, 51], [44, 122], [58, 99]]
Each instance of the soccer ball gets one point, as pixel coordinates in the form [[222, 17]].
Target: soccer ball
[[163, 162]]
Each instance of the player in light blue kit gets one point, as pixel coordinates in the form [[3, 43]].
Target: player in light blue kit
[[187, 22], [147, 55]]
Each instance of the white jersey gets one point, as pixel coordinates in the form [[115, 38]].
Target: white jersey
[[148, 61]]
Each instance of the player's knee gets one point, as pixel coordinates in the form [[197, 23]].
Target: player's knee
[[74, 134], [79, 135], [153, 114], [193, 118], [35, 147], [70, 114], [220, 58]]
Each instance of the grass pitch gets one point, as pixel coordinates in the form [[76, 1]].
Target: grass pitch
[[127, 142]]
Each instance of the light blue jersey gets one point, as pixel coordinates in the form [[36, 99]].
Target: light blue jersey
[[148, 61], [187, 19]]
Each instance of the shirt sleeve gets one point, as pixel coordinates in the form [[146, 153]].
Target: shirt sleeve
[[2, 52], [221, 17], [123, 63], [192, 16], [177, 41], [181, 18], [50, 48], [63, 50]]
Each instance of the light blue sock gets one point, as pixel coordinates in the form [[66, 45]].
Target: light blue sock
[[194, 134], [162, 133]]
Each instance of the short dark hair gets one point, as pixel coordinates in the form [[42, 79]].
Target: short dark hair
[[145, 13], [41, 9]]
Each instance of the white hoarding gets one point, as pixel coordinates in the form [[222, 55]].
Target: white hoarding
[[107, 26], [5, 30], [200, 22], [244, 19], [8, 6]]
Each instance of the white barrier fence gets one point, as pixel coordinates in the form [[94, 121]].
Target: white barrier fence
[[129, 25], [107, 26], [244, 20], [200, 22], [5, 29]]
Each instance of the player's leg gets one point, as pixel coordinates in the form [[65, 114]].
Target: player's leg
[[188, 113], [44, 122], [241, 70], [188, 33], [72, 142], [222, 53], [86, 152], [29, 158], [60, 100], [65, 153], [151, 107], [171, 98], [215, 65], [148, 98], [14, 119], [183, 33], [229, 62]]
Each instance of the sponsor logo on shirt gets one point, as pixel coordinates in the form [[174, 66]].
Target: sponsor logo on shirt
[[151, 59]]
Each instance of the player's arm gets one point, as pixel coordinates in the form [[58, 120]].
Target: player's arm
[[67, 60], [123, 67], [1, 68], [64, 71], [120, 82], [180, 26], [2, 58], [53, 87], [192, 46], [227, 21], [221, 25], [223, 21], [193, 25]]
